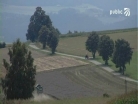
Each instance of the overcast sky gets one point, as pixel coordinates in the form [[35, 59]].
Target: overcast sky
[[54, 6]]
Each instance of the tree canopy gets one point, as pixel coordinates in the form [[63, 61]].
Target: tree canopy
[[122, 54], [37, 20], [53, 39], [92, 43], [43, 35], [105, 48], [19, 80], [41, 29]]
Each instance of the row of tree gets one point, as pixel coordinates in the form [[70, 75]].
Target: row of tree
[[40, 29], [120, 51], [2, 45]]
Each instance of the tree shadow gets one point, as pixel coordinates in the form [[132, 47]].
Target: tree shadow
[[103, 65], [96, 59], [50, 54]]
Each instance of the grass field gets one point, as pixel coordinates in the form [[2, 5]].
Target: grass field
[[76, 46], [100, 32]]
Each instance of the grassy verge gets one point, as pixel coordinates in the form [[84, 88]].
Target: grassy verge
[[64, 101], [129, 98], [131, 69]]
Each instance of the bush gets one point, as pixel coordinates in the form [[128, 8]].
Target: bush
[[2, 45]]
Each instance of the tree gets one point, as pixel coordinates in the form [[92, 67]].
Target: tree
[[19, 80], [69, 32], [43, 35], [53, 40], [37, 20], [92, 43], [75, 32], [122, 54], [53, 43], [105, 48]]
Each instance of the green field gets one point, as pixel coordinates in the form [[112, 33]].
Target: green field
[[76, 46]]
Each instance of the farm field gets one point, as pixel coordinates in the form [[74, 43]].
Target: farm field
[[4, 55], [56, 62], [76, 46], [81, 81], [86, 82]]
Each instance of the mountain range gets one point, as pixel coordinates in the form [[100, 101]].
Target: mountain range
[[72, 15]]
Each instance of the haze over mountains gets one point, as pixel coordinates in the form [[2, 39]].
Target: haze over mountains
[[79, 15]]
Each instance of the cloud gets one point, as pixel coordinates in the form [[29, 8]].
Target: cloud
[[85, 7], [29, 10]]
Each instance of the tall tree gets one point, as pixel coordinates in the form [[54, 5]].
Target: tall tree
[[122, 54], [69, 32], [105, 48], [19, 80], [53, 39], [43, 35], [92, 43], [37, 20]]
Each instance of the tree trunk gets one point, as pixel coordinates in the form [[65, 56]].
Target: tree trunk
[[120, 69], [44, 45], [106, 62], [53, 51], [93, 55], [123, 70]]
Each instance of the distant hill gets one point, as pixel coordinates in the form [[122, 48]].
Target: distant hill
[[69, 19], [129, 22], [15, 25]]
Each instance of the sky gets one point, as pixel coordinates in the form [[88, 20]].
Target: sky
[[27, 7], [99, 10]]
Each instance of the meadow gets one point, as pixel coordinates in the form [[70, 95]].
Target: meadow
[[76, 46]]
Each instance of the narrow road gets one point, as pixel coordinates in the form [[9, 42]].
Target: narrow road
[[93, 61]]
